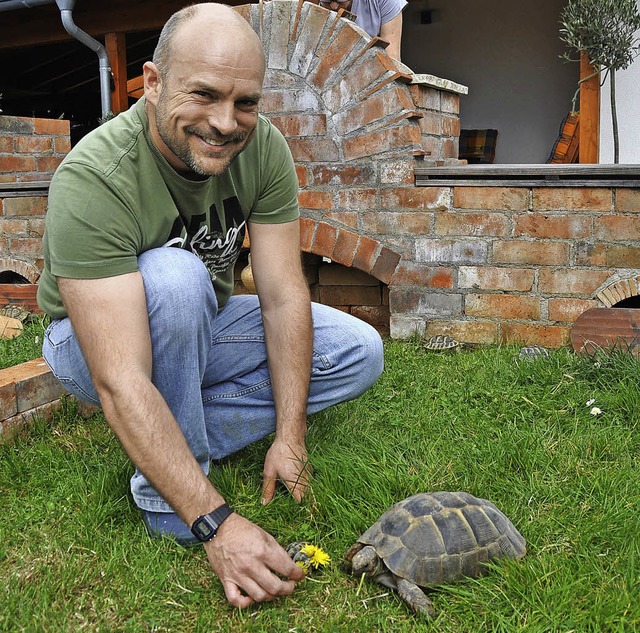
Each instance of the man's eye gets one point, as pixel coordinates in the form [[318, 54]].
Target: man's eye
[[200, 93]]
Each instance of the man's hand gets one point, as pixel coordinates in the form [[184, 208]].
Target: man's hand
[[288, 462], [250, 564]]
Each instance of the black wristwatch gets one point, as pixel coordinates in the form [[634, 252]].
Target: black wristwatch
[[204, 528]]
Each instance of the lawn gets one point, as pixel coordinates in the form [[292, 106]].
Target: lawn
[[74, 555]]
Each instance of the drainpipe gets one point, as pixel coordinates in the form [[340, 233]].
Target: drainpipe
[[66, 9], [8, 5]]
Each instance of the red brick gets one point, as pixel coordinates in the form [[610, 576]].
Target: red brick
[[571, 282], [371, 67], [17, 163], [393, 100], [308, 35], [35, 227], [37, 389], [325, 239], [49, 163], [13, 227], [412, 274], [6, 144], [61, 144], [277, 47], [313, 150], [289, 100], [450, 148], [301, 124], [529, 334], [307, 228], [357, 199], [397, 171], [8, 402], [383, 223], [34, 145], [345, 247], [568, 310], [301, 173], [333, 57], [366, 254], [11, 427], [342, 174], [415, 198], [503, 306], [610, 255], [450, 102], [628, 200], [348, 218], [25, 206], [525, 252], [431, 123], [58, 127], [494, 198], [350, 295], [27, 246], [615, 227], [494, 278], [405, 137], [315, 199], [385, 265], [574, 198], [540, 225], [425, 97], [479, 224], [451, 126]]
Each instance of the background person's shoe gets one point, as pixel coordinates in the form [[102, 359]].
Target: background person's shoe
[[168, 525]]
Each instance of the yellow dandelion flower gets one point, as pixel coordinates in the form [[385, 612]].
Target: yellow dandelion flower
[[317, 556]]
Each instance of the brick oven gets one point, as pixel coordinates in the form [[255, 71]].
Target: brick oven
[[395, 228]]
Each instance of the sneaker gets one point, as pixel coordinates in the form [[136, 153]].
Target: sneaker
[[168, 525]]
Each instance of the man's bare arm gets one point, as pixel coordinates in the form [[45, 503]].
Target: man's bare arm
[[286, 313], [110, 319], [392, 32]]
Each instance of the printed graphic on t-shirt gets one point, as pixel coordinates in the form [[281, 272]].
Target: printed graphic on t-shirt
[[217, 247]]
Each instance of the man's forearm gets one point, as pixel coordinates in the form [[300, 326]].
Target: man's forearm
[[155, 443]]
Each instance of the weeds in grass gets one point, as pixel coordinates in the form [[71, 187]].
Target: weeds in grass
[[74, 555]]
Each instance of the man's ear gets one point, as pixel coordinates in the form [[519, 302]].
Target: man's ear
[[152, 82]]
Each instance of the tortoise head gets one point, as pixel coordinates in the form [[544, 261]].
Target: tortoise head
[[367, 562]]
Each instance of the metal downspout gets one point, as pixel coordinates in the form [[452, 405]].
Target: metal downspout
[[66, 9]]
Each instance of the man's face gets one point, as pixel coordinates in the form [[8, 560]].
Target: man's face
[[206, 108], [334, 5]]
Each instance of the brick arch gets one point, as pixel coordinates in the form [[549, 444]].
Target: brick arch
[[618, 291], [349, 249], [330, 88], [24, 269]]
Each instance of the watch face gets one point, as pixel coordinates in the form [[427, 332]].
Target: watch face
[[204, 529]]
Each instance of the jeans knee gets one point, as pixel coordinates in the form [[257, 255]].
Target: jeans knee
[[177, 283]]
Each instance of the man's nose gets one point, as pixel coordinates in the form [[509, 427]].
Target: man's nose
[[222, 117]]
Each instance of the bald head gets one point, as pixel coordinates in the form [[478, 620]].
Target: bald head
[[204, 26]]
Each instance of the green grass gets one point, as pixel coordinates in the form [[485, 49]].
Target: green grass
[[25, 347], [74, 555]]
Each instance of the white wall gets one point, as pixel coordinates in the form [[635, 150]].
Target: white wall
[[628, 109], [508, 54]]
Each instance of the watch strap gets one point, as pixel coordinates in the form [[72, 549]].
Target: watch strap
[[205, 527]]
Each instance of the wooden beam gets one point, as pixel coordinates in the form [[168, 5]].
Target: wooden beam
[[116, 46], [42, 25], [589, 111]]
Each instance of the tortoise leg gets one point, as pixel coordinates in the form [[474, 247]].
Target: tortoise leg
[[415, 597]]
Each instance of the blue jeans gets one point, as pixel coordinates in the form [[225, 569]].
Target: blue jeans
[[210, 365]]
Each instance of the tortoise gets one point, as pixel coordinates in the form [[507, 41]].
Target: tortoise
[[440, 342], [432, 539], [533, 351], [15, 312]]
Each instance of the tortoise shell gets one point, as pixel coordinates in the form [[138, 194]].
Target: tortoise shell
[[15, 312], [440, 342], [439, 537]]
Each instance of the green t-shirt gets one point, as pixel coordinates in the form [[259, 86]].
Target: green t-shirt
[[115, 196]]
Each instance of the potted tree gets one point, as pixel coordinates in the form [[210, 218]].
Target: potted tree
[[606, 30]]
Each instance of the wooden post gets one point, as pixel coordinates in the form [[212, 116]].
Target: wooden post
[[589, 111], [116, 46]]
